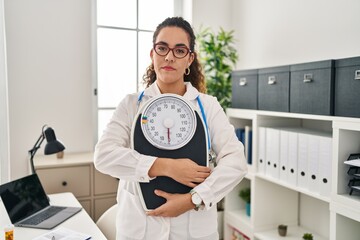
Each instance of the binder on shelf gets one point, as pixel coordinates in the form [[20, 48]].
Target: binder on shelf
[[284, 155], [302, 167], [268, 152], [325, 165], [313, 163], [240, 134], [261, 161], [245, 136], [248, 144], [272, 152], [293, 158]]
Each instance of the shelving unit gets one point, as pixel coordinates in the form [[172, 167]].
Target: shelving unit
[[275, 201], [235, 211]]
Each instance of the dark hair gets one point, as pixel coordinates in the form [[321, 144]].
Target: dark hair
[[196, 77]]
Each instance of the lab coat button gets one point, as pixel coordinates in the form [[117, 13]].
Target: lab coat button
[[142, 178], [210, 204]]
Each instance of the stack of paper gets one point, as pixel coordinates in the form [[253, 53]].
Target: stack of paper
[[63, 234]]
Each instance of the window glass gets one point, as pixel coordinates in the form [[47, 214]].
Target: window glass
[[116, 65], [116, 13], [147, 19]]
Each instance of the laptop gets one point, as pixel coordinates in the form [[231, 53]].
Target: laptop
[[28, 206]]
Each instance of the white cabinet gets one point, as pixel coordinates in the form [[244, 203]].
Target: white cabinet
[[76, 173], [313, 195]]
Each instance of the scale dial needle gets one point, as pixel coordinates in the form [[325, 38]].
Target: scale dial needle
[[168, 134]]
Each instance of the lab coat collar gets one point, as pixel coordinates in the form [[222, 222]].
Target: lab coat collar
[[190, 94]]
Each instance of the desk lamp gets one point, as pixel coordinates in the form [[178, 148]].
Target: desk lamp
[[52, 146]]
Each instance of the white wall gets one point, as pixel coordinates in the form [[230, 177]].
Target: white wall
[[212, 13], [49, 75], [279, 32], [4, 131]]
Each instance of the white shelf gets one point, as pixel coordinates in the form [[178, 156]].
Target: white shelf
[[239, 221], [293, 233], [275, 201], [239, 113], [249, 114], [251, 172], [347, 200], [295, 188]]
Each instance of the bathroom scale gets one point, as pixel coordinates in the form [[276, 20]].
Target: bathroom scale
[[168, 126]]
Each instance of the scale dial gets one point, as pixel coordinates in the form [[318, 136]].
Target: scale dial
[[168, 122]]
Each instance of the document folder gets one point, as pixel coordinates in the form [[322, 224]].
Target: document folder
[[325, 165], [262, 150], [284, 155], [293, 158]]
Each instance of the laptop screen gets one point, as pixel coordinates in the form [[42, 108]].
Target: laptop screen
[[23, 197]]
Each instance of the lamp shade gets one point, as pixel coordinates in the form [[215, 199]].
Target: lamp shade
[[53, 145]]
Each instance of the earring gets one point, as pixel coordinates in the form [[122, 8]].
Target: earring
[[187, 71]]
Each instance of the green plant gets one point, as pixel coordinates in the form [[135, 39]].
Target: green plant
[[245, 194], [308, 236], [218, 56]]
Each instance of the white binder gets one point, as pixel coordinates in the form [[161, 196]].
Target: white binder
[[313, 163], [272, 152], [302, 168], [325, 167], [284, 155], [262, 150], [293, 158]]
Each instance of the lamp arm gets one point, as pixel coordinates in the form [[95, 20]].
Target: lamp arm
[[32, 151]]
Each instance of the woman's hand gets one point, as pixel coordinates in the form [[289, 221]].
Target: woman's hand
[[183, 170], [176, 204], [188, 172]]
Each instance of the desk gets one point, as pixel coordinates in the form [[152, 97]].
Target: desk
[[80, 222], [76, 173]]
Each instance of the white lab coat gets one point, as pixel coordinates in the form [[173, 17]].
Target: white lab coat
[[114, 156]]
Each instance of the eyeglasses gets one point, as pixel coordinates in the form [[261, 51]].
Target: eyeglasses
[[179, 51]]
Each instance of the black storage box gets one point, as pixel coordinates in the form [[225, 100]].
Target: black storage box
[[273, 94], [244, 89], [312, 88], [347, 87]]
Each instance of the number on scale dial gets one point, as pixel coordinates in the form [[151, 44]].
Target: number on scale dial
[[168, 122]]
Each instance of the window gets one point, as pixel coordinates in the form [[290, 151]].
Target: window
[[124, 39]]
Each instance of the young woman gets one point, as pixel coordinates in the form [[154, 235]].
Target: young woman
[[175, 69]]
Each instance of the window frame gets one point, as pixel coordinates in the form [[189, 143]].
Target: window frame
[[179, 10]]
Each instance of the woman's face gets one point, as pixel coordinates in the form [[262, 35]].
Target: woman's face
[[169, 69]]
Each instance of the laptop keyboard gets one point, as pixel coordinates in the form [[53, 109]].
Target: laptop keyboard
[[43, 215]]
